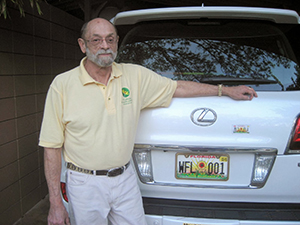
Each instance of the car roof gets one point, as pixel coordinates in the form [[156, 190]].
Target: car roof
[[251, 13]]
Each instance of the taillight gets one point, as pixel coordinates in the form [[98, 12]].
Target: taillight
[[142, 160], [64, 191], [295, 140]]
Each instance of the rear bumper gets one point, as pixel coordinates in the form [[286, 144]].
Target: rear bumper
[[169, 220], [173, 212]]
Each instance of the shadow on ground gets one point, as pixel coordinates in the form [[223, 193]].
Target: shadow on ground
[[37, 215]]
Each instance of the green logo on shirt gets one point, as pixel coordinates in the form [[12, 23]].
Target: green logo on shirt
[[126, 99], [125, 92]]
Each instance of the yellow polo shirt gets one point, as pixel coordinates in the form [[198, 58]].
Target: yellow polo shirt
[[96, 124]]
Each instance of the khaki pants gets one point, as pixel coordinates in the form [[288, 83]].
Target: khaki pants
[[94, 199]]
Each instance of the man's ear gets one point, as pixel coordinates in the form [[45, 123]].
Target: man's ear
[[82, 46]]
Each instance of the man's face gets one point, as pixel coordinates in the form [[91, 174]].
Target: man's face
[[101, 42]]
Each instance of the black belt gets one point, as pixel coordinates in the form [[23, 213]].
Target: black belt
[[110, 173]]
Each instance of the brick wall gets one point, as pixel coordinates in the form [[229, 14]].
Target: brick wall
[[32, 51]]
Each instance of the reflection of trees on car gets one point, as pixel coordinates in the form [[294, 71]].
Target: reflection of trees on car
[[205, 60], [296, 82]]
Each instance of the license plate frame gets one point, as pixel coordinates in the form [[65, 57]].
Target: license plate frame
[[202, 166]]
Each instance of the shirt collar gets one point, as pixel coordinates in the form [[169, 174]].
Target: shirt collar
[[85, 78]]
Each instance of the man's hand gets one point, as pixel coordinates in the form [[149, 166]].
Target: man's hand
[[58, 215], [239, 92]]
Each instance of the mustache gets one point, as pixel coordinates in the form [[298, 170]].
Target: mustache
[[108, 51]]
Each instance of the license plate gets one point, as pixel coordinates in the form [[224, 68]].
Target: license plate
[[194, 166]]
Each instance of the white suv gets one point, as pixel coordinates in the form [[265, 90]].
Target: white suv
[[213, 160]]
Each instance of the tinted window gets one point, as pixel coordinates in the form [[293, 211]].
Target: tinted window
[[255, 54]]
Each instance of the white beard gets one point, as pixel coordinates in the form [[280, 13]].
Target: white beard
[[101, 61]]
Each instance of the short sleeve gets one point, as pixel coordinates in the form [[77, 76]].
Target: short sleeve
[[156, 91], [52, 129]]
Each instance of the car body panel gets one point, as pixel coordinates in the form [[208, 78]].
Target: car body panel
[[172, 220], [173, 125], [235, 190], [274, 15]]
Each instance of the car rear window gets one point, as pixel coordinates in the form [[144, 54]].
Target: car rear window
[[233, 53]]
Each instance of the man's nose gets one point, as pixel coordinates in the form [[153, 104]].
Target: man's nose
[[104, 44]]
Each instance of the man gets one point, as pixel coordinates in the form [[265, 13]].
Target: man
[[88, 119]]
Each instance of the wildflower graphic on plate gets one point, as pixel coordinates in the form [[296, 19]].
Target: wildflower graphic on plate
[[242, 129]]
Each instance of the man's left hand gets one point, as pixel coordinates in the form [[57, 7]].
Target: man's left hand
[[239, 92]]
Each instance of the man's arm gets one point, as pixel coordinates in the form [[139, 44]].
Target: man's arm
[[194, 89], [57, 212]]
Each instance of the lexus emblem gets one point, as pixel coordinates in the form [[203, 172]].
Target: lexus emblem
[[204, 117]]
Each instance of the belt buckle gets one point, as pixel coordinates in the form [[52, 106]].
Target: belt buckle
[[115, 171]]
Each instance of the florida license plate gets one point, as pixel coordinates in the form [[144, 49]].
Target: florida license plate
[[202, 166]]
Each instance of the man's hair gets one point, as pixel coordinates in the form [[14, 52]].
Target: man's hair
[[84, 28]]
